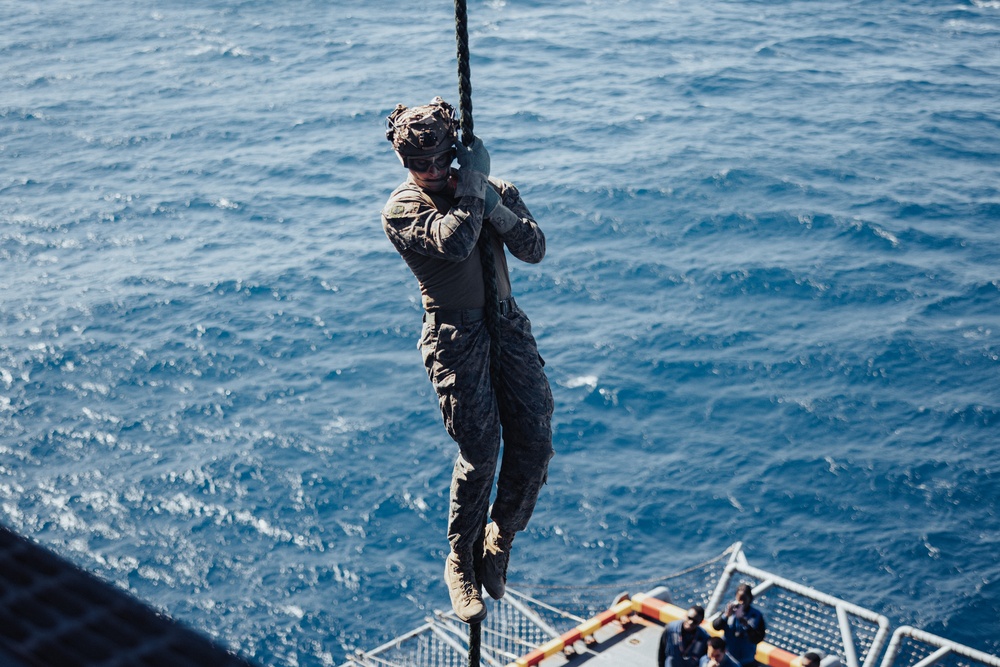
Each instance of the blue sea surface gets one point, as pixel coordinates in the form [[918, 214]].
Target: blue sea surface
[[770, 308]]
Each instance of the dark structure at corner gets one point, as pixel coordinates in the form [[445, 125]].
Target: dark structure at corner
[[52, 613]]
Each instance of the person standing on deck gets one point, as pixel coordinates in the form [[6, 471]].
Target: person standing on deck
[[435, 219], [743, 627], [683, 642]]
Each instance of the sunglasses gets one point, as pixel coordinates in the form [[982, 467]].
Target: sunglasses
[[440, 161]]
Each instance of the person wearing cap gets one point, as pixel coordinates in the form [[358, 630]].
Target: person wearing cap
[[684, 642], [435, 219]]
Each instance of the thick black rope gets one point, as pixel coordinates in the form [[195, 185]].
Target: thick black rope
[[475, 642], [492, 304], [491, 307], [464, 77]]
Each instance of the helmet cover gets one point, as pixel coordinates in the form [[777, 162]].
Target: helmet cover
[[422, 131]]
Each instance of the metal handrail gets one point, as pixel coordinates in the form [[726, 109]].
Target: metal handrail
[[945, 646], [441, 626], [738, 563]]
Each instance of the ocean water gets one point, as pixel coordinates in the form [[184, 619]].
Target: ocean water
[[770, 307]]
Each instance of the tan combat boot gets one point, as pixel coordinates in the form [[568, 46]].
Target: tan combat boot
[[466, 599], [496, 555]]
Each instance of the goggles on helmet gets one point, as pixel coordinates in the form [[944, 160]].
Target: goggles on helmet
[[441, 161], [422, 132]]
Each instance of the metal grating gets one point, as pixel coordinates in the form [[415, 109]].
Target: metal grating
[[797, 623], [915, 648], [798, 618], [52, 613], [519, 623]]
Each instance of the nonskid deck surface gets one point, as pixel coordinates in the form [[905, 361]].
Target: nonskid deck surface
[[634, 643]]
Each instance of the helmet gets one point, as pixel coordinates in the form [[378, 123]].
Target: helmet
[[422, 131]]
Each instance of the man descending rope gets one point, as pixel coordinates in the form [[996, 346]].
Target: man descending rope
[[435, 219]]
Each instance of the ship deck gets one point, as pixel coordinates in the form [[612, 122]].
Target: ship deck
[[523, 631]]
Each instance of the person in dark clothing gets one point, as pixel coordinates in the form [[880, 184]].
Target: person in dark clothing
[[811, 658], [448, 225], [743, 627], [716, 655], [684, 642]]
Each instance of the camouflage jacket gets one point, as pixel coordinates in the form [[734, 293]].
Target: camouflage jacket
[[436, 234]]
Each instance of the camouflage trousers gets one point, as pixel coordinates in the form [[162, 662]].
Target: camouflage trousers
[[476, 411]]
